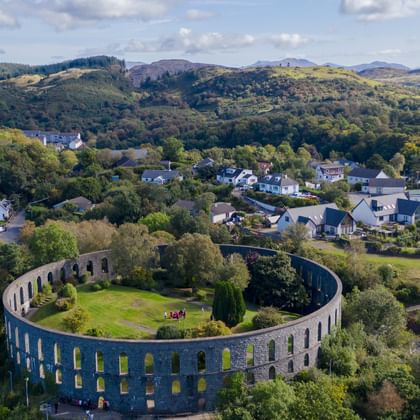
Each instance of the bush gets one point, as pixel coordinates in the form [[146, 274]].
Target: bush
[[46, 289], [106, 284], [76, 320], [95, 332], [201, 295], [36, 301], [69, 291], [57, 286], [141, 278], [169, 332], [95, 287], [83, 279], [100, 285], [212, 329], [267, 317], [71, 280], [64, 304]]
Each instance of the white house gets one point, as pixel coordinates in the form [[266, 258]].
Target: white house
[[160, 176], [384, 186], [236, 176], [329, 172], [5, 209], [324, 218], [362, 176], [279, 184], [221, 212], [61, 140], [376, 211]]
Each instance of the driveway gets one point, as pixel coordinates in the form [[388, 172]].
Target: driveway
[[14, 227]]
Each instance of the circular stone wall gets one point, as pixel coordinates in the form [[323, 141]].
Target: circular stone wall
[[163, 376]]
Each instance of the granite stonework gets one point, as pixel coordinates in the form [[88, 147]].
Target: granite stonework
[[33, 347]]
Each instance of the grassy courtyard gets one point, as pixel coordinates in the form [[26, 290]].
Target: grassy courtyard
[[124, 312]]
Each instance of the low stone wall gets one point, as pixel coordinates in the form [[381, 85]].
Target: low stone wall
[[164, 376]]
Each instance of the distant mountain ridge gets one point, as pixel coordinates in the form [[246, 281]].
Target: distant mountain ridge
[[286, 62]]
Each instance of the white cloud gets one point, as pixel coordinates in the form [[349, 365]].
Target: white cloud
[[66, 14], [390, 52], [374, 10], [196, 14], [7, 21], [190, 42]]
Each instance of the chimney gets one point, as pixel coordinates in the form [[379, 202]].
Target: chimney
[[285, 176], [169, 165]]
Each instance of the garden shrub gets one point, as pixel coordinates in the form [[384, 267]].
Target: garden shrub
[[36, 300], [201, 295], [95, 287], [95, 332], [267, 317], [46, 289], [57, 286], [64, 304], [76, 319], [212, 329], [69, 291], [169, 332], [141, 278], [83, 279]]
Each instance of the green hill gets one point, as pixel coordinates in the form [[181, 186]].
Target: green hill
[[334, 109]]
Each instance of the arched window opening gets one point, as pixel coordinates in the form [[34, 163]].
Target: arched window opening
[[104, 265], [201, 404], [329, 324], [250, 378], [89, 267], [100, 365], [18, 357], [27, 349], [41, 371], [335, 317], [175, 364], [290, 345], [123, 364], [63, 275], [201, 362], [306, 360], [9, 330], [176, 387], [149, 364], [17, 337], [226, 359], [319, 331], [100, 384], [30, 291], [57, 354], [201, 385], [150, 386], [58, 376], [28, 363], [124, 386], [272, 373], [78, 381], [250, 355], [307, 336], [50, 278], [40, 352], [22, 297], [75, 270], [271, 351], [77, 358], [318, 357], [14, 302], [39, 284], [290, 367]]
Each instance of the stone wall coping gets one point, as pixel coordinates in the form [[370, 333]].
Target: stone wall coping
[[154, 342]]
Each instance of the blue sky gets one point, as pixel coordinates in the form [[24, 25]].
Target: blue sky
[[230, 32]]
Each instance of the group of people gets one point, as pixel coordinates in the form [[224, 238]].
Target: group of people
[[177, 315]]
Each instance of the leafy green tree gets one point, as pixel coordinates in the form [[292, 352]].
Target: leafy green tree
[[275, 282], [13, 259], [156, 221], [228, 303], [173, 149], [236, 271], [398, 162], [379, 311], [77, 319], [192, 261], [52, 243], [294, 236], [132, 247]]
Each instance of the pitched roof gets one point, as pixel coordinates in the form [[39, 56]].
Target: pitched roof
[[387, 182], [230, 172], [185, 204], [387, 202], [407, 207], [222, 208], [125, 162], [334, 217], [277, 179], [204, 162], [365, 172], [315, 213], [81, 203], [164, 174]]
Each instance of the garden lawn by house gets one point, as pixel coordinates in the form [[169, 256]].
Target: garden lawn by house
[[123, 312]]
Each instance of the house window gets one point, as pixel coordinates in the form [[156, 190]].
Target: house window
[[287, 218], [381, 218]]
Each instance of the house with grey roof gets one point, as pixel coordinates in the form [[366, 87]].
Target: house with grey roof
[[384, 186], [329, 172], [125, 162], [392, 208], [6, 209], [160, 176], [81, 204], [363, 176], [60, 140], [221, 212], [323, 218], [278, 184], [204, 163], [236, 176]]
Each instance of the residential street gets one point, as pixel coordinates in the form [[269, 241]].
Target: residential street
[[13, 228]]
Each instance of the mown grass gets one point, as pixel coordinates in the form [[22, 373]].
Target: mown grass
[[124, 312]]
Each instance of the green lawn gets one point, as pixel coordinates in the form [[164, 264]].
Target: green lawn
[[124, 312]]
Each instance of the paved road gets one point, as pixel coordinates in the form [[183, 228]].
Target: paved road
[[13, 228]]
